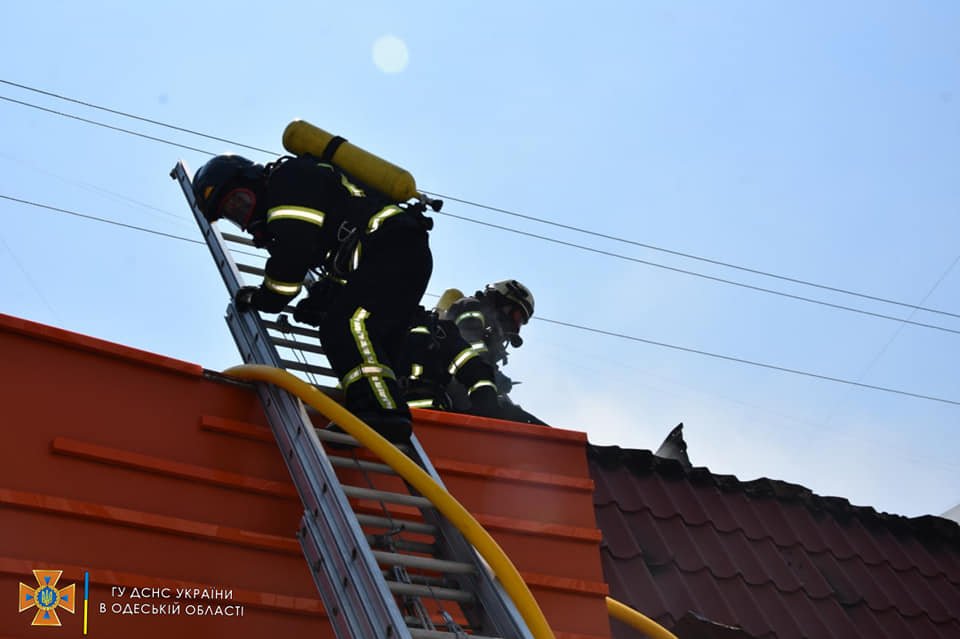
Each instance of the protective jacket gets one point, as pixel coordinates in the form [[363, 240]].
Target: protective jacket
[[476, 319], [435, 353], [315, 216]]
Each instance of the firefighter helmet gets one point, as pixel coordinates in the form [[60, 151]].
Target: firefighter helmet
[[513, 293], [219, 176]]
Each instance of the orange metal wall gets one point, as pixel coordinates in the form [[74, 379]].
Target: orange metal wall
[[147, 474]]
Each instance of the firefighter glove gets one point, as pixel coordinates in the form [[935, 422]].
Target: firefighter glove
[[312, 309], [484, 402], [243, 300]]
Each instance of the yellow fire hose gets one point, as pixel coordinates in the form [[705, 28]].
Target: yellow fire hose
[[634, 619], [444, 502]]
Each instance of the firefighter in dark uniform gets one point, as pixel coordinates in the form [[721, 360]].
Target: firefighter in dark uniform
[[309, 214], [485, 323], [435, 354]]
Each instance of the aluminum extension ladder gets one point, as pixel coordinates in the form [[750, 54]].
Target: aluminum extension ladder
[[374, 581]]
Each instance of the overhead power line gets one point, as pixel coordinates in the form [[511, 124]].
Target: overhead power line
[[705, 276], [106, 126], [598, 331], [511, 230], [488, 207], [136, 117], [691, 256], [98, 219], [740, 360], [104, 220]]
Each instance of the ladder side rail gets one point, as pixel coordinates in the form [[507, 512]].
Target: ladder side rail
[[337, 552], [341, 562], [214, 239], [217, 242]]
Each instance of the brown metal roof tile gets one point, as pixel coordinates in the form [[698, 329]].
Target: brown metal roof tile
[[897, 626], [748, 563], [806, 572], [776, 615], [771, 514], [688, 495], [929, 561], [696, 591], [867, 623], [714, 548], [844, 590], [631, 582], [684, 550], [771, 557], [891, 548], [865, 541], [949, 593], [624, 542], [807, 616], [718, 510], [775, 566], [805, 525], [932, 595], [862, 579], [750, 605], [748, 520], [834, 533]]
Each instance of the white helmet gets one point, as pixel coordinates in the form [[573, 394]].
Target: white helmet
[[515, 293]]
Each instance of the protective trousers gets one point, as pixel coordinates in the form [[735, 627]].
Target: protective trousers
[[367, 323]]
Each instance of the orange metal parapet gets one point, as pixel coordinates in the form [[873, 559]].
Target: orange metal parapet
[[158, 480]]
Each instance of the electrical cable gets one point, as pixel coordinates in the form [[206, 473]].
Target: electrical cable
[[692, 256], [561, 242], [113, 222], [136, 117], [462, 201], [703, 275], [740, 360], [598, 331], [106, 126]]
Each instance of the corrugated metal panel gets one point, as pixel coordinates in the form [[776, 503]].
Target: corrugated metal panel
[[769, 557], [147, 473]]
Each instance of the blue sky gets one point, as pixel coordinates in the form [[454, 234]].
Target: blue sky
[[815, 141]]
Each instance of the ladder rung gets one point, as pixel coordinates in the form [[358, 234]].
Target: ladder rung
[[430, 592], [403, 544], [325, 435], [287, 327], [360, 464], [237, 239], [418, 579], [420, 633], [297, 346], [307, 368], [415, 622], [391, 523], [252, 270], [391, 498], [424, 563]]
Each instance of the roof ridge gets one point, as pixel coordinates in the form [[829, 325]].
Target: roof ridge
[[928, 528]]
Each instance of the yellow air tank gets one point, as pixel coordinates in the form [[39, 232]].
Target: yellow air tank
[[449, 296], [302, 137]]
